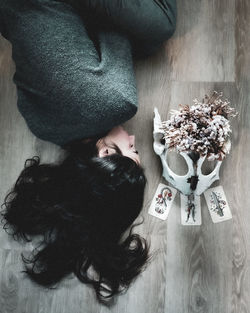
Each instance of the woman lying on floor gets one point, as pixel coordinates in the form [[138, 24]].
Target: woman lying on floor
[[76, 86]]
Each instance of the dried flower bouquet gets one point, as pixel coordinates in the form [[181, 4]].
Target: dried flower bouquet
[[203, 127]]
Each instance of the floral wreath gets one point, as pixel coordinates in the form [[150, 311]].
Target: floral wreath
[[203, 127]]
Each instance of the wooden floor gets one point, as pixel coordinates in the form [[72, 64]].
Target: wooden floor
[[196, 269]]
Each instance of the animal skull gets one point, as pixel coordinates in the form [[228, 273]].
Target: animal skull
[[194, 182]]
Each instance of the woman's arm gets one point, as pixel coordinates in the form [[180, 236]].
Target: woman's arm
[[148, 23]]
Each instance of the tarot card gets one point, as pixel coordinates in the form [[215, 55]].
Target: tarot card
[[162, 201], [217, 204], [190, 210]]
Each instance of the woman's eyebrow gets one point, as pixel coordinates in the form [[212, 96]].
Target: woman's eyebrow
[[117, 149]]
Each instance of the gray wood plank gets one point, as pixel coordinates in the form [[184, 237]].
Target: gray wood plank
[[203, 48], [194, 269]]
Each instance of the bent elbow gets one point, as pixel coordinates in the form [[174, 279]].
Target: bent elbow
[[169, 25], [132, 109], [171, 28], [125, 110]]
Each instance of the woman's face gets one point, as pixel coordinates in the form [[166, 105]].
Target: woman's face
[[119, 137]]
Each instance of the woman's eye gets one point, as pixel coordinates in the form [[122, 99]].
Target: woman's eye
[[131, 146], [110, 151]]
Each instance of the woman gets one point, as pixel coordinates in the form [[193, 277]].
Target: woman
[[76, 86]]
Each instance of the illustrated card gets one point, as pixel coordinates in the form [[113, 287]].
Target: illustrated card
[[190, 210], [162, 201], [217, 204]]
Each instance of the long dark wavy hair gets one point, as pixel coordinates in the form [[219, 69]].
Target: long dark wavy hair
[[82, 207]]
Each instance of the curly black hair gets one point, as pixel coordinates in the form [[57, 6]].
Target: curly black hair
[[82, 207]]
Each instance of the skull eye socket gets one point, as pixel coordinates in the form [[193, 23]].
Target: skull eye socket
[[162, 141], [177, 163], [208, 167]]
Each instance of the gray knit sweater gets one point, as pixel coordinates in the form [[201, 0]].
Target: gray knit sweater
[[74, 61]]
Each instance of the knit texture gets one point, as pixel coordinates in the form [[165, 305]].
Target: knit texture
[[74, 80]]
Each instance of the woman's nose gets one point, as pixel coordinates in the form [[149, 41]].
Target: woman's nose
[[132, 139]]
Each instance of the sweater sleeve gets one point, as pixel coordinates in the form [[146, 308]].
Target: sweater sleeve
[[148, 23], [67, 88]]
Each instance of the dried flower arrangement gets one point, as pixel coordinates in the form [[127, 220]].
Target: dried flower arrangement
[[203, 127]]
